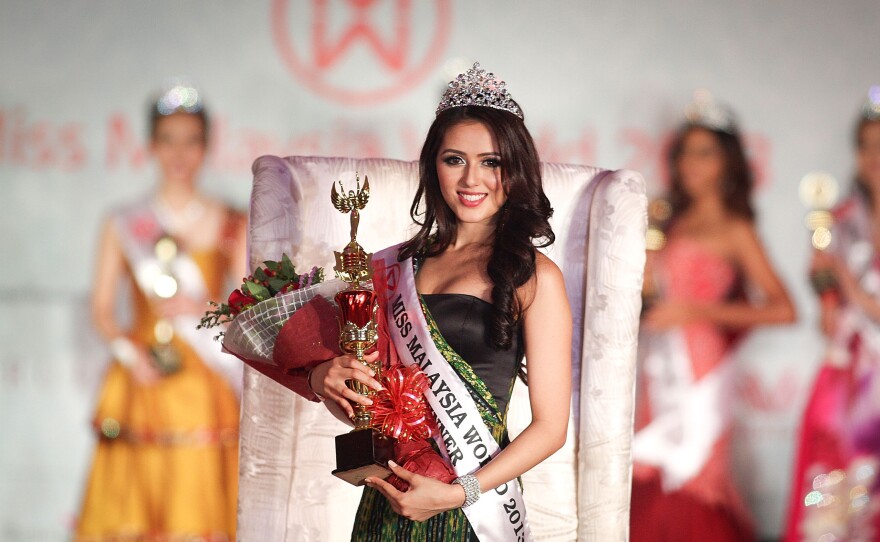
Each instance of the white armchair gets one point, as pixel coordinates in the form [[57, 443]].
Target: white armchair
[[582, 492]]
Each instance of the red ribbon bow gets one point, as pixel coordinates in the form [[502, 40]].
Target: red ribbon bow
[[400, 410]]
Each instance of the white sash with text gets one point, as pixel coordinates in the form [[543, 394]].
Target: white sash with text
[[465, 440], [146, 268]]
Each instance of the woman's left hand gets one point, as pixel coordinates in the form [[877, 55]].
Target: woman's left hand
[[425, 498], [849, 284]]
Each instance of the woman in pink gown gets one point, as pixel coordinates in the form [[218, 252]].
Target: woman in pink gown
[[696, 309], [835, 487]]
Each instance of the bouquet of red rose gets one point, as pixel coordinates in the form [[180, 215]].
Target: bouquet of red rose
[[283, 324], [272, 280]]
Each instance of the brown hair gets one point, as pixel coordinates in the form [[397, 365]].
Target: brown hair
[[859, 184], [737, 182]]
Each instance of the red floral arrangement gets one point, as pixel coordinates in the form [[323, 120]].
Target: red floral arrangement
[[270, 280], [399, 408], [283, 339], [400, 411]]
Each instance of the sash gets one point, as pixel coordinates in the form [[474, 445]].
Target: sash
[[139, 228], [464, 440], [688, 417], [851, 244]]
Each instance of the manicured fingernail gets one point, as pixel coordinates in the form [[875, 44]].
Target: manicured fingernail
[[369, 401], [372, 372], [392, 463]]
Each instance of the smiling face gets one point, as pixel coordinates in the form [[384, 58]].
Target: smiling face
[[179, 146], [469, 171], [701, 163]]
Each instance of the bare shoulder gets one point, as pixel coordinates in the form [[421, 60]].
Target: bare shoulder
[[549, 283], [743, 234], [110, 229], [221, 208], [548, 312], [741, 226], [746, 244], [546, 270], [229, 220]]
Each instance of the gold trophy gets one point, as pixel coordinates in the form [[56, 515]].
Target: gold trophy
[[166, 356], [819, 193], [659, 213], [364, 451]]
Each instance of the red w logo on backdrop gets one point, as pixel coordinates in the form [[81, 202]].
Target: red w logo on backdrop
[[392, 53], [360, 52]]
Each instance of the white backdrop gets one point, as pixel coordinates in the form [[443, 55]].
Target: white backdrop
[[601, 82]]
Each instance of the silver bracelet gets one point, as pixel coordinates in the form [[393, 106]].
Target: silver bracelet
[[471, 487]]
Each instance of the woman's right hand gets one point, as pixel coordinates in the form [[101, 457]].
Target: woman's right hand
[[822, 261], [829, 314], [328, 380], [144, 369]]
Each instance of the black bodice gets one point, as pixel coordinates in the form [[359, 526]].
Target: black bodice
[[463, 321]]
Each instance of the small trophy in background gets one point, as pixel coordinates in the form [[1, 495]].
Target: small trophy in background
[[659, 213], [364, 451], [166, 356], [819, 192]]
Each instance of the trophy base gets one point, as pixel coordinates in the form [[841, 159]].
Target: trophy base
[[361, 454]]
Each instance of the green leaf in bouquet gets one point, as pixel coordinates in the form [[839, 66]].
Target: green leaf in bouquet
[[260, 292], [276, 284], [272, 266], [259, 274], [287, 268]]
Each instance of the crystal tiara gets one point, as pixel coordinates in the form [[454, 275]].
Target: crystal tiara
[[179, 97], [478, 87], [705, 112], [871, 109]]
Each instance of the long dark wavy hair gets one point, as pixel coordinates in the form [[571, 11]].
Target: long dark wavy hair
[[859, 184], [737, 183], [523, 223]]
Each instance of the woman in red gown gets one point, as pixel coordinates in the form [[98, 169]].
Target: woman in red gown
[[835, 493], [694, 286]]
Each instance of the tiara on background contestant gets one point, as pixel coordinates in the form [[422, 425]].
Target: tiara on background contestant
[[478, 87], [705, 112], [179, 97], [871, 109]]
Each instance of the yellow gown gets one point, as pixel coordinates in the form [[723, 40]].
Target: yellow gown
[[166, 464]]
